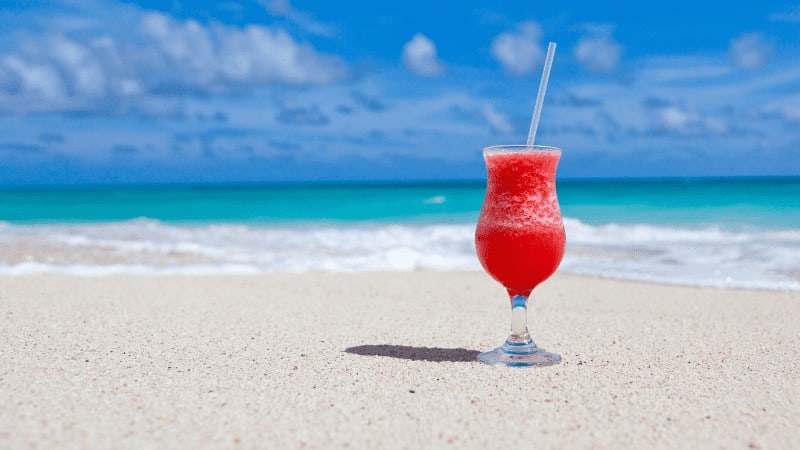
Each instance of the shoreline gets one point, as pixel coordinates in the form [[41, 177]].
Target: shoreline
[[702, 257], [213, 271], [386, 360]]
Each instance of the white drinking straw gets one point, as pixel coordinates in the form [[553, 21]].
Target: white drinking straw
[[537, 110]]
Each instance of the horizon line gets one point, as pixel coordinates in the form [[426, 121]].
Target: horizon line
[[375, 183]]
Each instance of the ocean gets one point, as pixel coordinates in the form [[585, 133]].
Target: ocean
[[740, 232]]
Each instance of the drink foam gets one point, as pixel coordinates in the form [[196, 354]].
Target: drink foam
[[521, 191]]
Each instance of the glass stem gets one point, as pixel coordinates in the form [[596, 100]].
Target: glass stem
[[519, 322]]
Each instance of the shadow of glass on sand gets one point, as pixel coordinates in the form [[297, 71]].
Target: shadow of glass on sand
[[434, 354]]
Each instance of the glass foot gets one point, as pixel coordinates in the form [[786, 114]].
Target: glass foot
[[519, 355]]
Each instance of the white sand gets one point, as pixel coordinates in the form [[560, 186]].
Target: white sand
[[262, 361]]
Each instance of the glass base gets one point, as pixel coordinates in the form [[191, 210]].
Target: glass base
[[519, 355]]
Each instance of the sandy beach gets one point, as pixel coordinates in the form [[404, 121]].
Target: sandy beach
[[387, 360]]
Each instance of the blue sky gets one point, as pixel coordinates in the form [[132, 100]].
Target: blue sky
[[105, 91]]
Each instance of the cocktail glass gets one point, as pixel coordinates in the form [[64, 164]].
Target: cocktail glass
[[520, 239]]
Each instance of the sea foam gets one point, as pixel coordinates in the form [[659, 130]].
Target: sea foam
[[697, 256]]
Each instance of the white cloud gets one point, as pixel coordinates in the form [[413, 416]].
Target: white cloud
[[419, 56], [598, 53], [750, 51], [683, 121], [519, 51], [497, 120], [222, 56], [786, 109], [55, 73], [277, 7], [791, 113], [86, 72], [682, 101], [306, 21], [682, 69], [41, 80], [163, 57]]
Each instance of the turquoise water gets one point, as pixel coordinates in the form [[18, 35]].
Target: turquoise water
[[720, 232], [770, 203]]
